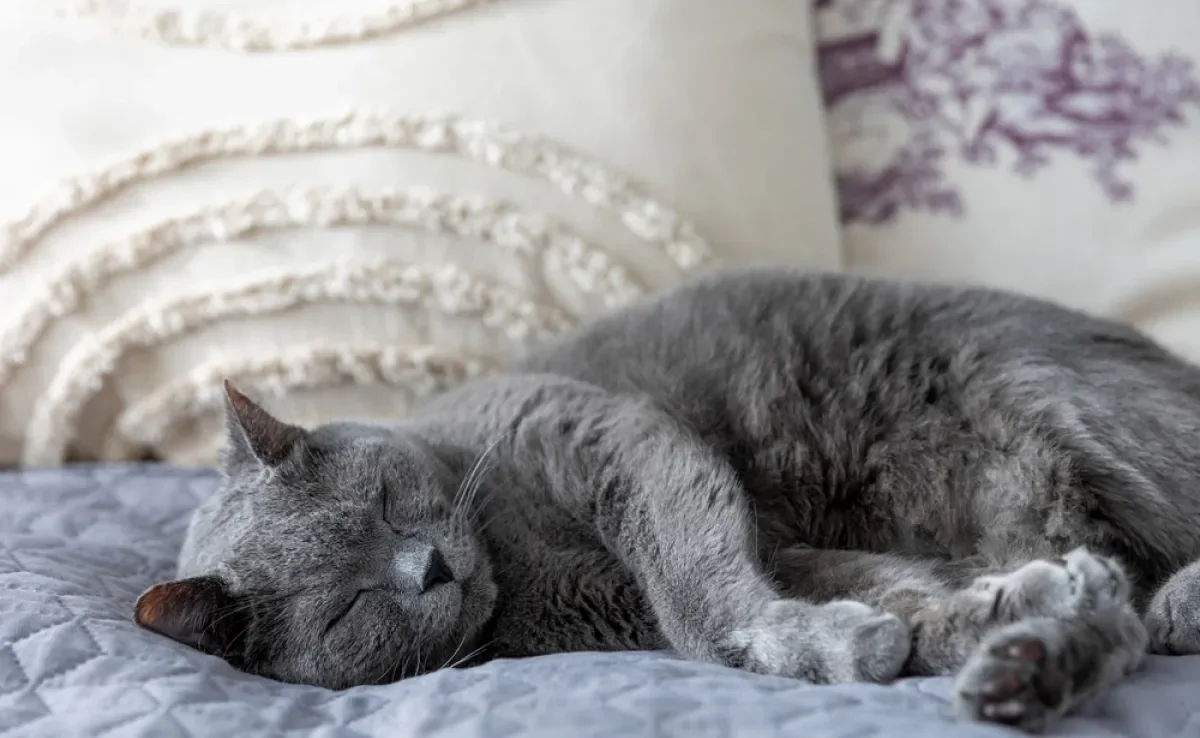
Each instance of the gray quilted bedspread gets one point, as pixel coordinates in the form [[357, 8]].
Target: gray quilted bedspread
[[77, 546]]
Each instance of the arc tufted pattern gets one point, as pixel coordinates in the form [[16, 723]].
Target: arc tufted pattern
[[189, 27], [313, 200]]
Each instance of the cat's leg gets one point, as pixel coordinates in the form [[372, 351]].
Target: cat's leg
[[686, 530], [949, 629], [900, 584], [948, 617], [1173, 616], [1029, 643], [951, 604]]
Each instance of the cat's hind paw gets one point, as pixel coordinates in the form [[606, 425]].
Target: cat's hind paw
[[1034, 671], [1010, 682]]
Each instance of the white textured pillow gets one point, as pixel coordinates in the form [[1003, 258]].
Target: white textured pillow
[[371, 207], [1048, 146]]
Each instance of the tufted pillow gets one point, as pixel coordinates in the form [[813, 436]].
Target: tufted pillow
[[1048, 146], [354, 211]]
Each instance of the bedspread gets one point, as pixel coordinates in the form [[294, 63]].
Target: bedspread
[[78, 545]]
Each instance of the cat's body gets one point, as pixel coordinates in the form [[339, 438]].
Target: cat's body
[[733, 470]]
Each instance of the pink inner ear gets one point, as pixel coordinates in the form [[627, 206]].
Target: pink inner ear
[[157, 601], [241, 404], [249, 415], [185, 611]]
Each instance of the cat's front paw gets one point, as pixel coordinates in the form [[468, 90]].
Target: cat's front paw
[[837, 642]]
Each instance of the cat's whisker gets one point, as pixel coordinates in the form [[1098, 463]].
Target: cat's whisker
[[465, 491], [405, 664], [468, 489], [392, 673], [466, 511], [462, 642], [480, 506], [247, 603], [471, 507], [465, 483], [227, 612], [240, 634], [397, 670], [473, 472], [469, 656], [233, 611]]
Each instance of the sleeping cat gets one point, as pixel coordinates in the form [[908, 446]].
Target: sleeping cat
[[824, 477]]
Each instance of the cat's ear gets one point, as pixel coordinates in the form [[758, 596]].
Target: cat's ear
[[197, 612], [255, 433]]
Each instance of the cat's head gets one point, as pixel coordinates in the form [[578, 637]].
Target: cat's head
[[334, 556]]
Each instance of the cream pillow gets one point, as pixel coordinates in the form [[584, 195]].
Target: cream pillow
[[359, 210], [1048, 146]]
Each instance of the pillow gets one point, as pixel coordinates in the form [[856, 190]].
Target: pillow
[[1046, 146], [354, 211]]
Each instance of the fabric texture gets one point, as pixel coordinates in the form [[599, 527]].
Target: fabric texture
[[77, 546], [1045, 146], [352, 210]]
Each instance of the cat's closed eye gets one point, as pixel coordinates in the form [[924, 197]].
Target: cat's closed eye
[[349, 606], [345, 610]]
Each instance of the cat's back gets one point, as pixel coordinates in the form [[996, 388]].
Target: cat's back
[[740, 332]]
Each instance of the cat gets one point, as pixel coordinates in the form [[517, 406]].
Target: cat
[[829, 477]]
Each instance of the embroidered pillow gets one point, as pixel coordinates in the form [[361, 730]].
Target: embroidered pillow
[[1048, 146], [351, 212]]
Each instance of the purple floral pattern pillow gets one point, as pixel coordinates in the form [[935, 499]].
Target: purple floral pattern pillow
[[916, 86]]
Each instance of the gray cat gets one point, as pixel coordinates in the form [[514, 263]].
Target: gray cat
[[823, 477]]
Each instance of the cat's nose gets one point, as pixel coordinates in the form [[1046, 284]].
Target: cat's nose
[[437, 571], [420, 567]]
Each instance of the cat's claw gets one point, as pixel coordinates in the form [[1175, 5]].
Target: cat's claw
[[837, 642]]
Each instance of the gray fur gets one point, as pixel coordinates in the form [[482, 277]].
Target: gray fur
[[825, 477]]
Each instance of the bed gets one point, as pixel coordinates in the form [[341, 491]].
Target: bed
[[77, 545]]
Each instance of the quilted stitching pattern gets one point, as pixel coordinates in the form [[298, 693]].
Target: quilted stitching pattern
[[77, 546]]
